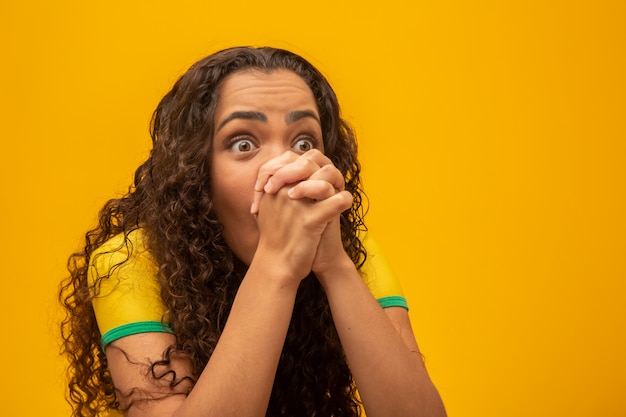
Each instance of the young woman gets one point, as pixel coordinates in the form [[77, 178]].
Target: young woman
[[235, 277]]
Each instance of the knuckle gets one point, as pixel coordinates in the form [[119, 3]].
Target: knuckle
[[313, 152], [328, 169], [266, 168], [309, 164], [318, 157]]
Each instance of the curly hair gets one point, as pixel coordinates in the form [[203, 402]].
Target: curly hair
[[170, 201]]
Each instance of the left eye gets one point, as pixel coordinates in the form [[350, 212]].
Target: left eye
[[303, 145]]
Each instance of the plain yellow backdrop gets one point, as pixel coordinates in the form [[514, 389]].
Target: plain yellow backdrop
[[493, 140]]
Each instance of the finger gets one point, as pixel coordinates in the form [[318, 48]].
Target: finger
[[256, 202], [332, 175], [326, 210], [318, 157], [306, 165], [312, 189], [299, 170], [270, 167]]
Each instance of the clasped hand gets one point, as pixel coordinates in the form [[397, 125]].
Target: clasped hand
[[298, 200]]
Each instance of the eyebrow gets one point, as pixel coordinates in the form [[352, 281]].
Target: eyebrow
[[296, 115], [246, 115], [290, 118]]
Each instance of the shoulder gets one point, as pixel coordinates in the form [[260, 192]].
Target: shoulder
[[125, 252], [380, 277], [125, 287]]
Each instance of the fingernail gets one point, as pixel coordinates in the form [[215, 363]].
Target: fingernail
[[291, 192], [268, 186]]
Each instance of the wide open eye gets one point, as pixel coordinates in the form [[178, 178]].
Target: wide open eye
[[242, 146], [304, 144]]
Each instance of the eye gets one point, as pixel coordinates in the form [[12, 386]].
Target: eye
[[242, 146], [304, 144]]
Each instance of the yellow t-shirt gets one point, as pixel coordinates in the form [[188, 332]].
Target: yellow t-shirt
[[128, 300]]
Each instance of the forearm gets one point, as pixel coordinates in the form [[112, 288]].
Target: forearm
[[388, 371], [238, 378]]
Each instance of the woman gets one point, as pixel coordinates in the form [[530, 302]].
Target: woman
[[226, 282]]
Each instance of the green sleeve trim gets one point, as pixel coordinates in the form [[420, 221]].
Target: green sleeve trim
[[135, 328], [393, 301]]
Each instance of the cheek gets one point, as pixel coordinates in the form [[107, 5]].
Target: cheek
[[232, 196], [232, 203], [232, 191], [232, 185]]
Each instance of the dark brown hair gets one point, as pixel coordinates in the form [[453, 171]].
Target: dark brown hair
[[170, 201]]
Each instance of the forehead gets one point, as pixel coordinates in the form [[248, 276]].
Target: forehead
[[254, 89]]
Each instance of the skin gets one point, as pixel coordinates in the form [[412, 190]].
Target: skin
[[261, 118], [269, 173]]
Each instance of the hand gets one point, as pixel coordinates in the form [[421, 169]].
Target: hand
[[316, 180], [319, 186], [291, 168], [290, 230]]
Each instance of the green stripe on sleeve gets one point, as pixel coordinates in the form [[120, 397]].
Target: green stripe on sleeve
[[393, 301], [135, 328]]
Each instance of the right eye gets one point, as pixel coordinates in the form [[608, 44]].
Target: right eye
[[242, 146]]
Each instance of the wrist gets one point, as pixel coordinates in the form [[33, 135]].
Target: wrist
[[340, 269], [274, 267]]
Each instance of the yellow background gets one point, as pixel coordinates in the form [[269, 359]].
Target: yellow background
[[493, 140]]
